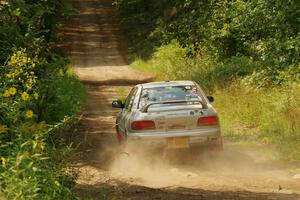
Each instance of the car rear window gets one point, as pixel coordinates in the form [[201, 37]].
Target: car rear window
[[169, 94]]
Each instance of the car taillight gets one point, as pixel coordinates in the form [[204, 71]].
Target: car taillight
[[143, 125], [208, 121]]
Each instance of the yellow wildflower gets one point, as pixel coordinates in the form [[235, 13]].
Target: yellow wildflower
[[29, 114], [57, 183], [25, 96], [9, 75], [3, 128], [25, 59], [13, 60], [12, 91], [6, 93], [4, 162], [36, 95], [31, 81]]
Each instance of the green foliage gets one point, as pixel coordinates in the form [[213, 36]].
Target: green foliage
[[38, 99], [168, 62], [263, 33], [171, 62], [140, 20], [211, 74], [31, 166], [64, 96], [263, 78], [30, 24], [30, 171]]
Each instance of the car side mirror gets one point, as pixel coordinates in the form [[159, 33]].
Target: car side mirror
[[117, 104], [210, 99]]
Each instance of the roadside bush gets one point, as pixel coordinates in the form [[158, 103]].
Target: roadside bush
[[64, 97], [38, 101], [29, 169], [171, 62], [168, 62], [31, 25], [212, 74]]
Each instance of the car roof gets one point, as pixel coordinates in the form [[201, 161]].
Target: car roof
[[167, 84]]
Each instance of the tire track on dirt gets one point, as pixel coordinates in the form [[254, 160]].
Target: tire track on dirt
[[95, 43]]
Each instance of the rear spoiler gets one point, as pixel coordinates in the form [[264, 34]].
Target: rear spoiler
[[146, 107]]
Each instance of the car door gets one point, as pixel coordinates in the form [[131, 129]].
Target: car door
[[125, 115]]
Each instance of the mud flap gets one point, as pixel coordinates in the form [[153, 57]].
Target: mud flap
[[216, 149], [219, 145], [120, 136]]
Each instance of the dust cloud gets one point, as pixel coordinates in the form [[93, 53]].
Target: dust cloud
[[235, 168]]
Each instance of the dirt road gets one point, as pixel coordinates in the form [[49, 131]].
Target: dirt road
[[94, 41]]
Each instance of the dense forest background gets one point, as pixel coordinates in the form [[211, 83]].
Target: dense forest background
[[258, 38], [38, 98], [247, 53]]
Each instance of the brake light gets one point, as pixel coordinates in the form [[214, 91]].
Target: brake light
[[208, 121], [143, 125]]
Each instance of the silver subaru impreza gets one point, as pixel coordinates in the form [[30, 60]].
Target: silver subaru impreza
[[174, 114]]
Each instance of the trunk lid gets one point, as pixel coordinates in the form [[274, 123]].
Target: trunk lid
[[176, 117]]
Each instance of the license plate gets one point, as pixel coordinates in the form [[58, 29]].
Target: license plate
[[178, 142]]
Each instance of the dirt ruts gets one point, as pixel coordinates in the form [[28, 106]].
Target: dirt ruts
[[96, 44]]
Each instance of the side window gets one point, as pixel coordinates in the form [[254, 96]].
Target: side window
[[130, 98]]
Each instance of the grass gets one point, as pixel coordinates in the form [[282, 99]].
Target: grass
[[265, 116], [66, 95], [269, 115]]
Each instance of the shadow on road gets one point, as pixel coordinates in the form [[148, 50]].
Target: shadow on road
[[120, 190]]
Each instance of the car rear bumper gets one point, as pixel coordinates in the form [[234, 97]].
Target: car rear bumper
[[195, 137]]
